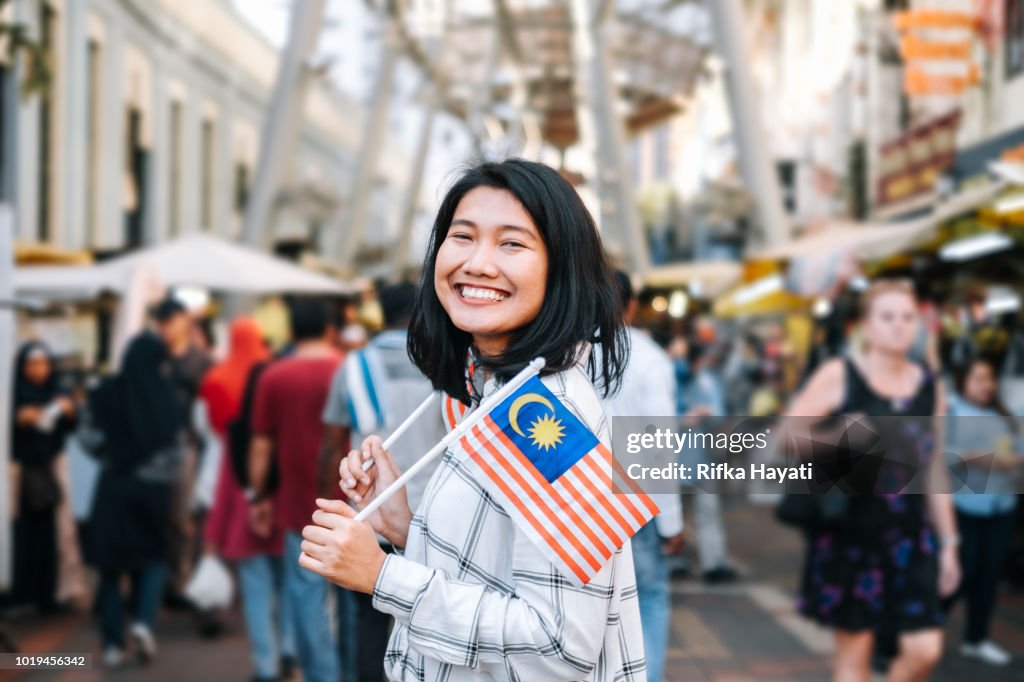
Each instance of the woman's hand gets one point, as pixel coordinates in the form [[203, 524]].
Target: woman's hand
[[392, 519], [67, 406], [949, 570], [341, 549]]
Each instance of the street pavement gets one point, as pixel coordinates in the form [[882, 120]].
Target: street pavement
[[745, 631]]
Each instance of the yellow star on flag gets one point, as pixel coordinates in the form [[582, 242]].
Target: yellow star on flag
[[547, 432]]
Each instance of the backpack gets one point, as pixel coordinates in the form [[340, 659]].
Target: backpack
[[239, 434]]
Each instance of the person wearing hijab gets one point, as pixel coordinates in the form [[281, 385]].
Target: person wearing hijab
[[143, 423], [43, 415], [227, 532]]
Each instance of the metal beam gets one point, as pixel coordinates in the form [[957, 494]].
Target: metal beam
[[376, 124], [478, 115], [421, 57], [281, 127], [606, 139], [7, 340], [531, 131], [412, 194], [752, 144]]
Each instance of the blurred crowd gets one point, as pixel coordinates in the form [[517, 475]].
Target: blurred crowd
[[212, 450]]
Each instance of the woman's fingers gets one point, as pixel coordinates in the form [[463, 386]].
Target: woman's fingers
[[353, 478], [382, 457], [312, 564], [348, 469]]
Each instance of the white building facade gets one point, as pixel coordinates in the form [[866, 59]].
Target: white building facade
[[151, 128]]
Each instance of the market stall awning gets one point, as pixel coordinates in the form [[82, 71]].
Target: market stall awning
[[195, 260], [872, 241], [869, 241], [705, 279], [29, 253], [64, 282], [773, 303]]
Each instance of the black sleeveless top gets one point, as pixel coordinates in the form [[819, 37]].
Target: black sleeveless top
[[860, 397], [881, 569]]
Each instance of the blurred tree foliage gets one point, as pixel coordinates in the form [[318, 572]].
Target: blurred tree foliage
[[16, 40]]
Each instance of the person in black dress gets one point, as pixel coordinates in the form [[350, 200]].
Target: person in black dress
[[889, 565], [43, 415], [143, 423]]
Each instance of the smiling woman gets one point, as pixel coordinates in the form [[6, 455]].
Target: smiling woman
[[515, 270]]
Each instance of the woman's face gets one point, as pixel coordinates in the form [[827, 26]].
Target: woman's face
[[492, 268], [37, 368], [980, 385], [891, 324]]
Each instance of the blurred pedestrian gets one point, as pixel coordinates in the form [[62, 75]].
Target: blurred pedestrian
[[982, 432], [648, 390], [678, 350], [888, 563], [227, 530], [373, 391], [43, 416], [515, 270], [142, 421], [286, 426], [983, 334], [706, 398], [189, 361]]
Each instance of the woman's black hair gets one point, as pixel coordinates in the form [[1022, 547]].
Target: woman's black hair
[[581, 300], [960, 376]]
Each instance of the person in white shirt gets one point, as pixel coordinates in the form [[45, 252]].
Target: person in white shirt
[[648, 389]]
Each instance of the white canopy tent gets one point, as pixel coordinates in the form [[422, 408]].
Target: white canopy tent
[[196, 261]]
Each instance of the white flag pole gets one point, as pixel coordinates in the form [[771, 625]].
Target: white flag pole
[[467, 423], [397, 433]]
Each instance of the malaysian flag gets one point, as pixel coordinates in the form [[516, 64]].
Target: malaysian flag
[[555, 479]]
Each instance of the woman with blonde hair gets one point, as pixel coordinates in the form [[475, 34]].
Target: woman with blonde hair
[[887, 564]]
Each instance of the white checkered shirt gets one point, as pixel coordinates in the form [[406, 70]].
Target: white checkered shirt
[[474, 599]]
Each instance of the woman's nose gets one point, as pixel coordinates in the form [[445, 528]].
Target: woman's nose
[[481, 262]]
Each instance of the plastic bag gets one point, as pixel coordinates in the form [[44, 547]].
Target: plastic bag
[[211, 585]]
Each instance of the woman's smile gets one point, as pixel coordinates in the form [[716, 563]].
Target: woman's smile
[[476, 294]]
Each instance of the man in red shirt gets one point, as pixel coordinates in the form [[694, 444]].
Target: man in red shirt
[[289, 400]]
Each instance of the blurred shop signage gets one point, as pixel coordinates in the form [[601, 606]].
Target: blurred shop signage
[[1013, 155], [911, 164], [937, 46]]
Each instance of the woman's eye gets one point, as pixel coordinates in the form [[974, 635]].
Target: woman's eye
[[513, 244], [461, 236]]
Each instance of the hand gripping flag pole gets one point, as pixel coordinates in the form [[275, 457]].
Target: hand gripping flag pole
[[455, 434]]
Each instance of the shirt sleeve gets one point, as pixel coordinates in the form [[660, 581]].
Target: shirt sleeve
[[658, 397], [670, 521], [546, 629], [336, 408]]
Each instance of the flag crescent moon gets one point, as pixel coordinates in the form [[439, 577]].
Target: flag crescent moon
[[518, 403]]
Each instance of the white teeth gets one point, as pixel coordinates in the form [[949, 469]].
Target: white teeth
[[485, 294]]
